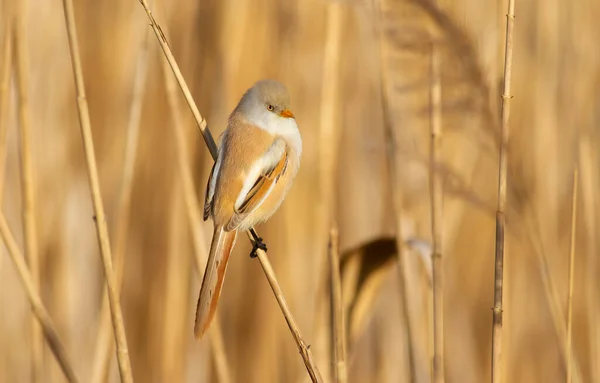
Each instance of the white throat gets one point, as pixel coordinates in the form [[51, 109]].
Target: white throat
[[278, 126]]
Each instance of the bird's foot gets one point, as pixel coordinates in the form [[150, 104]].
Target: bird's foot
[[258, 244]]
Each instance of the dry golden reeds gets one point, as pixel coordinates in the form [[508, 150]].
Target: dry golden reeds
[[28, 185], [49, 329], [573, 242], [551, 320], [436, 197], [337, 309], [104, 342], [5, 76], [99, 215], [500, 218], [587, 159]]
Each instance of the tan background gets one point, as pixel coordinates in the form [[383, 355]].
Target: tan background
[[222, 48]]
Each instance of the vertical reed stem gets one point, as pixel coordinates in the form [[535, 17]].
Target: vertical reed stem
[[337, 309], [28, 182], [5, 76], [104, 344], [436, 194], [500, 219], [329, 137], [100, 218], [571, 275]]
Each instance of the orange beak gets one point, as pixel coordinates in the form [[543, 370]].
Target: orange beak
[[286, 113]]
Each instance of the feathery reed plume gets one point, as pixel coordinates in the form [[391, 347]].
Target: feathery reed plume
[[5, 77], [572, 274], [195, 221], [393, 162], [500, 219], [337, 309], [94, 183], [104, 343], [40, 312], [261, 254], [28, 182], [436, 195]]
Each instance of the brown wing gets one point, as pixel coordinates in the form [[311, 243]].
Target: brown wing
[[259, 192], [208, 196]]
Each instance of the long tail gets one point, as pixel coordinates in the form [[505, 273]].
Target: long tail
[[220, 249]]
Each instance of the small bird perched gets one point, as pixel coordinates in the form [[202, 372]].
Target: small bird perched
[[259, 156]]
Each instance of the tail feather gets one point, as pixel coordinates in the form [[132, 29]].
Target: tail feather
[[220, 249]]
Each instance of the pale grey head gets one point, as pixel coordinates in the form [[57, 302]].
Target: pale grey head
[[267, 102], [267, 106]]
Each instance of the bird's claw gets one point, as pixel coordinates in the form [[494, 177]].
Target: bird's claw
[[258, 244]]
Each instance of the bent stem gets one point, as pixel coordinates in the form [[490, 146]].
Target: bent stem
[[305, 352], [48, 328]]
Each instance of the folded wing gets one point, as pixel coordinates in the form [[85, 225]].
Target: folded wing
[[261, 180]]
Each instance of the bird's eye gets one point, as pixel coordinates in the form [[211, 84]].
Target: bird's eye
[[270, 108]]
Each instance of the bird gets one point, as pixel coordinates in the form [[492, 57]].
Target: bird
[[258, 158]]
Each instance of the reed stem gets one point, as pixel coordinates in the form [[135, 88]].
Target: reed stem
[[28, 187], [337, 309], [500, 218], [100, 217], [572, 275], [37, 306], [436, 195]]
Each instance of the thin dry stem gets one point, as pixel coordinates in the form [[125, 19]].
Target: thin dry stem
[[40, 312], [5, 77], [104, 344], [329, 133], [162, 40], [28, 184], [587, 161], [393, 161], [500, 219], [195, 221], [100, 218], [210, 143], [552, 294], [330, 103], [304, 350], [436, 194], [571, 276], [337, 309]]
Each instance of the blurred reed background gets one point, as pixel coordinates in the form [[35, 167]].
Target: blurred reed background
[[359, 76]]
